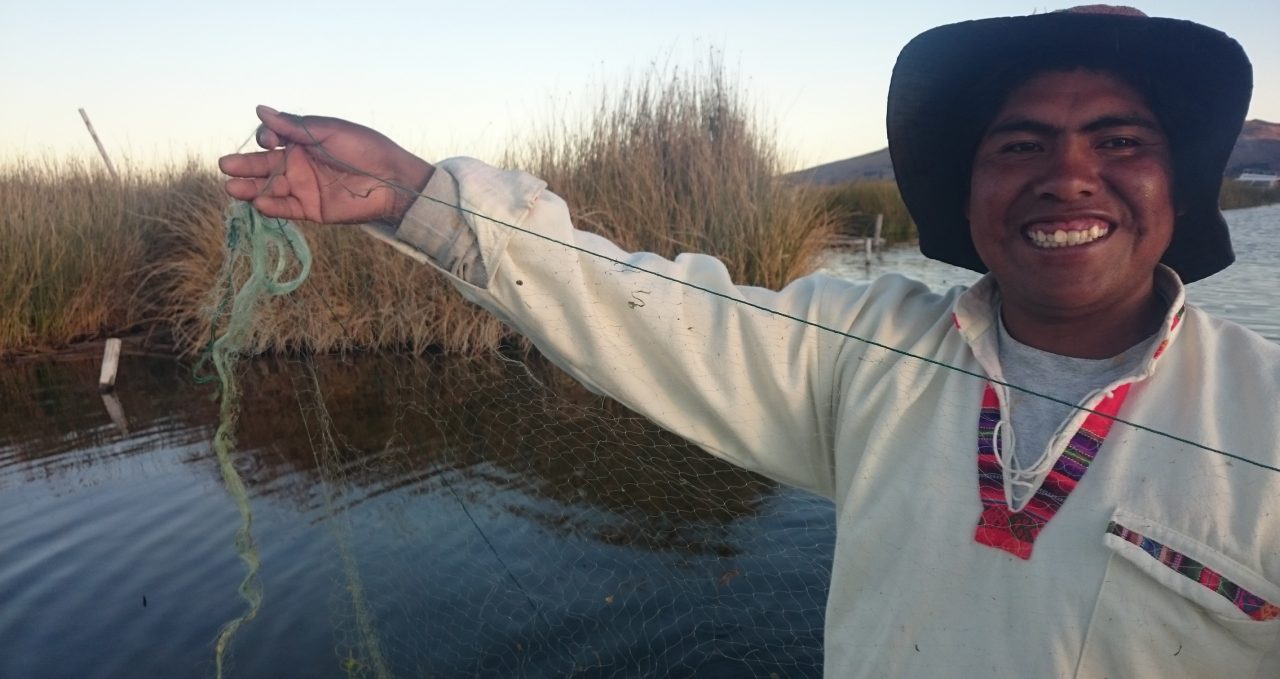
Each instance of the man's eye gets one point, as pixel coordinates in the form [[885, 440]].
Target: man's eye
[[1020, 147], [1120, 143]]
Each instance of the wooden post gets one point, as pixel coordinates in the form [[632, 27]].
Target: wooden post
[[110, 361], [116, 412], [101, 149], [879, 245]]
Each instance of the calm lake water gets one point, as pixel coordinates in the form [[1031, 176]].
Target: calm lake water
[[423, 517]]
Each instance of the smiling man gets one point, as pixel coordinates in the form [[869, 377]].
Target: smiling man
[[983, 530], [1071, 208]]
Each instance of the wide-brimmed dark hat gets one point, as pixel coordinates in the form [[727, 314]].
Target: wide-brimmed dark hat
[[950, 81]]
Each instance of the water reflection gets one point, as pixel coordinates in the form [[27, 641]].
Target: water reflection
[[409, 426], [53, 424], [492, 515], [401, 424]]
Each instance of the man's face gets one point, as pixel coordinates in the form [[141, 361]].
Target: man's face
[[1071, 200]]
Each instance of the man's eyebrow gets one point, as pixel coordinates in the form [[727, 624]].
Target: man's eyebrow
[[1023, 125], [1103, 123], [1107, 122]]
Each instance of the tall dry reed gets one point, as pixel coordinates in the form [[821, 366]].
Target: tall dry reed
[[359, 296], [84, 256], [71, 241], [667, 165], [676, 163]]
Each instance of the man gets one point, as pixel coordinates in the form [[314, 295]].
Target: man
[[1075, 156]]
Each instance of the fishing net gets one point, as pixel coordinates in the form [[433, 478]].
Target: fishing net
[[490, 517]]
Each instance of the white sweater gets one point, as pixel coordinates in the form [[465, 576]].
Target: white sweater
[[775, 382]]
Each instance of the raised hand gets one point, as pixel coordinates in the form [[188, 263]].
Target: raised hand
[[325, 170]]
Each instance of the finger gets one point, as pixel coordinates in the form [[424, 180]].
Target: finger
[[282, 208], [266, 138], [286, 128], [276, 186], [257, 164], [244, 189]]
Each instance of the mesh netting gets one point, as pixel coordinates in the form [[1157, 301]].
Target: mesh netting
[[493, 518], [597, 543]]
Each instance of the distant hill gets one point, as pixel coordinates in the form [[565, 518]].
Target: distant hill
[[873, 166], [1258, 148]]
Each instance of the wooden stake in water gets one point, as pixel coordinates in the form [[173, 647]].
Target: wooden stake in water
[[101, 149], [110, 364], [879, 244], [116, 412]]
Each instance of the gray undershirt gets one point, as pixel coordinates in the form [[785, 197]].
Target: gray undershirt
[[1034, 419]]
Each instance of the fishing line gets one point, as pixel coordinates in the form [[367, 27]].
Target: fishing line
[[329, 158]]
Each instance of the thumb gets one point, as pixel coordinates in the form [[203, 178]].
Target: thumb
[[278, 129]]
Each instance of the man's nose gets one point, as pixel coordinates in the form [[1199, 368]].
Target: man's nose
[[1071, 171]]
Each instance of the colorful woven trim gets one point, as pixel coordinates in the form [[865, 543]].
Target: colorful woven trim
[[1015, 532], [1173, 325], [1253, 605]]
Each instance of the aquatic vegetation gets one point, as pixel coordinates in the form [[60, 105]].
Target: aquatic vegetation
[[1238, 195], [857, 203], [676, 162], [667, 165]]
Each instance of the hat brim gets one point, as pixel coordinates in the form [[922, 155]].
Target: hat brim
[[1198, 79]]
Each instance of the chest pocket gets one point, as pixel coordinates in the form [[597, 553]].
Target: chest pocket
[[1171, 606]]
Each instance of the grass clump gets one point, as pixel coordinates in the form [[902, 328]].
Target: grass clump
[[856, 205], [675, 163], [360, 296]]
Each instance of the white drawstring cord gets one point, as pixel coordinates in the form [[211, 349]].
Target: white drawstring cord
[[1019, 484]]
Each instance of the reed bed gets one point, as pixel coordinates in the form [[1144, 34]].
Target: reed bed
[[360, 296], [676, 162], [668, 165], [71, 241], [857, 203], [83, 256], [1237, 195]]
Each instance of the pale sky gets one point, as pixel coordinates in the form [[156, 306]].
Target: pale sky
[[167, 80]]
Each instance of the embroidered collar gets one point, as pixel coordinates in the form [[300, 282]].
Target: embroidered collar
[[974, 315], [1000, 525]]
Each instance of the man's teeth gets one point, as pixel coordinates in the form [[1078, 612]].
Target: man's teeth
[[1064, 238]]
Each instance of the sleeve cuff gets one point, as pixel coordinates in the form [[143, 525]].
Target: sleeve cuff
[[466, 215]]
